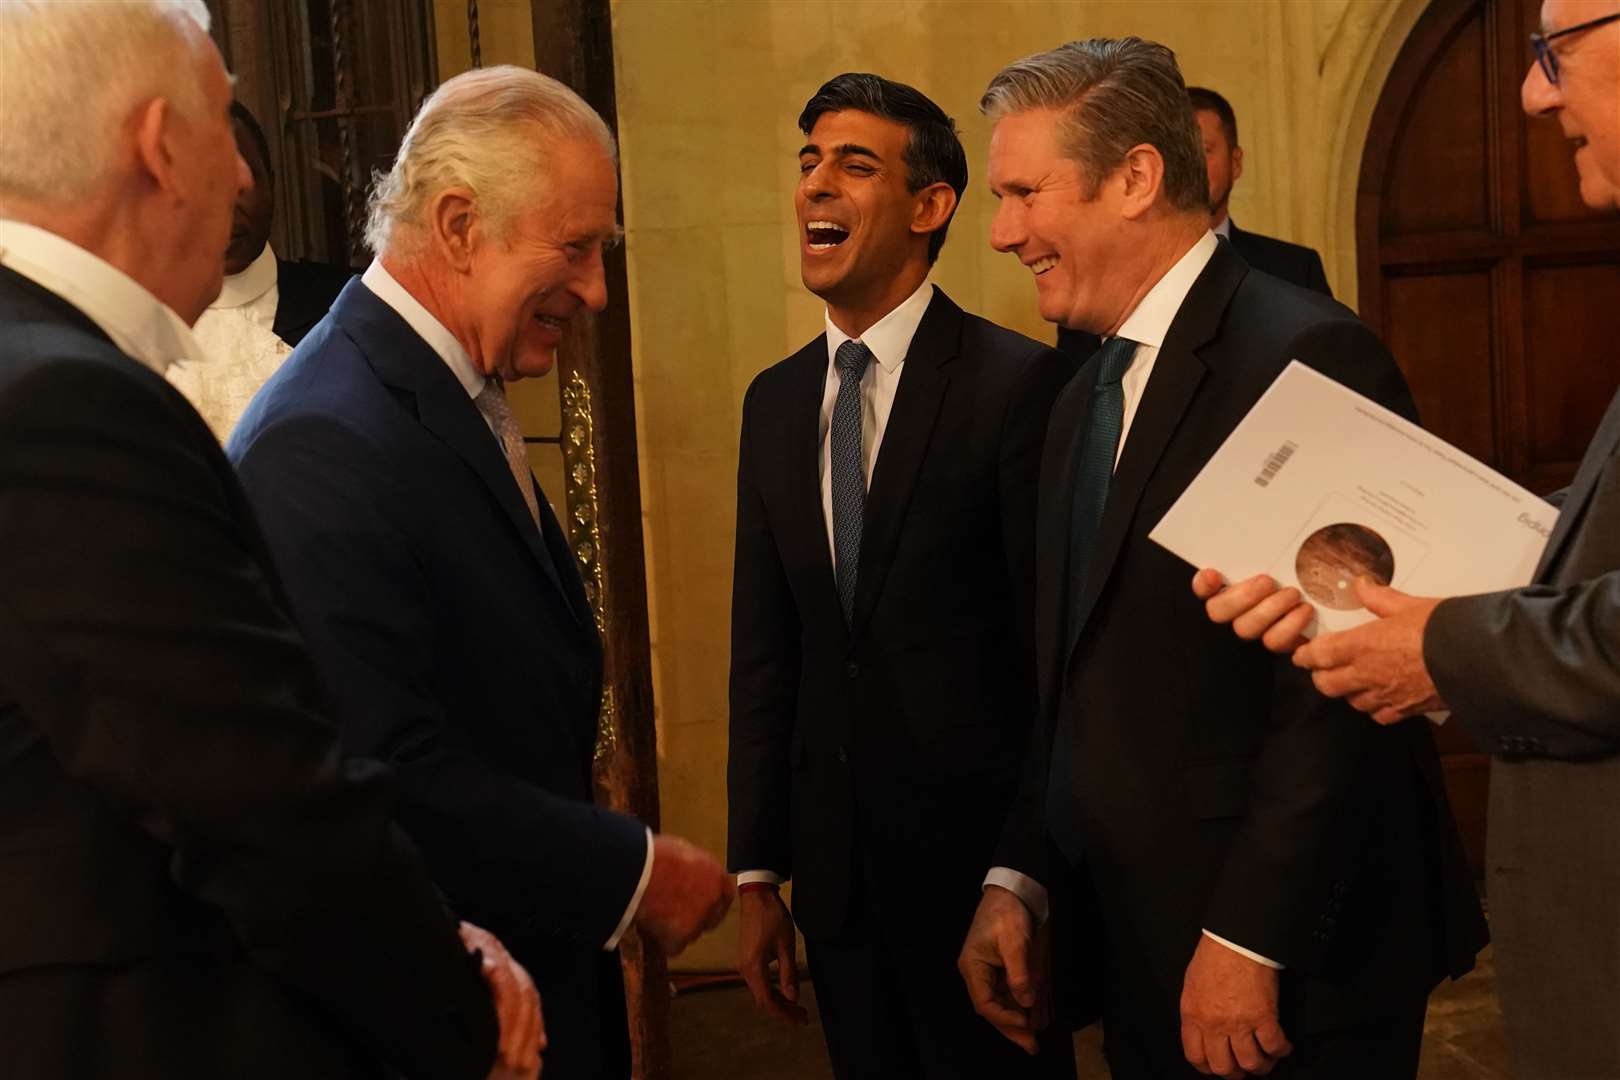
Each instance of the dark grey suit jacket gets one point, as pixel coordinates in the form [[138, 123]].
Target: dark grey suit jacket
[[1534, 675]]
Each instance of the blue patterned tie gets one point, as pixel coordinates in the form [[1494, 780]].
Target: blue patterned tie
[[1094, 468], [848, 470]]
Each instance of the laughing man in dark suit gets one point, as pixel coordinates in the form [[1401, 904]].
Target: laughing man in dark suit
[[1279, 886], [881, 684]]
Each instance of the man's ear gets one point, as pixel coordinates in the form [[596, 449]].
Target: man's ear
[[153, 129], [935, 205], [1143, 173], [455, 227], [1237, 163]]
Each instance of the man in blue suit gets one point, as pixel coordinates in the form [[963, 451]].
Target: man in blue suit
[[434, 582]]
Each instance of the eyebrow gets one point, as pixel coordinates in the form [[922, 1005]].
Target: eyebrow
[[843, 150]]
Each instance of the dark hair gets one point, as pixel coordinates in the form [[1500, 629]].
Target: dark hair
[[241, 115], [1206, 100], [933, 156]]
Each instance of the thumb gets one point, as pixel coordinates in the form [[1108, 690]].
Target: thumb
[[1381, 600]]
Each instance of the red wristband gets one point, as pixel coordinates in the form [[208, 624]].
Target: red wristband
[[757, 886]]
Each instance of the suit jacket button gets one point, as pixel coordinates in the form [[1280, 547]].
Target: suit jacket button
[[852, 669]]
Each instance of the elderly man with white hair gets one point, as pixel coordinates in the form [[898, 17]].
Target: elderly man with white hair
[[195, 883], [442, 596]]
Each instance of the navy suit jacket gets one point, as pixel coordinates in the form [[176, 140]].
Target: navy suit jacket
[[458, 642]]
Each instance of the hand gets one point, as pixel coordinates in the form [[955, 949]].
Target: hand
[[687, 896], [1229, 1023], [1378, 666], [1006, 964], [765, 934], [517, 1005], [1256, 608]]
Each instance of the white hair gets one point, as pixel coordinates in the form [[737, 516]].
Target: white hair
[[71, 73], [489, 131]]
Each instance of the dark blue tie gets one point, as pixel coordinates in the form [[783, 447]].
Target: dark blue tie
[[1094, 468], [848, 470]]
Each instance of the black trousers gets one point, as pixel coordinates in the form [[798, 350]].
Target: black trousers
[[893, 1007]]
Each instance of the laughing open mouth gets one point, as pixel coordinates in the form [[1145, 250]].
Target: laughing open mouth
[[823, 235]]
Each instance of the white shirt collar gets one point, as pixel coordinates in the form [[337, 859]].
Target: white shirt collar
[[889, 338], [427, 327], [140, 324], [242, 289], [1225, 227], [1151, 320]]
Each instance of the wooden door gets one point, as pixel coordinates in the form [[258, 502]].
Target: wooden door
[[1497, 290]]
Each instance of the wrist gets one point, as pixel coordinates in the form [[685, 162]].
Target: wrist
[[748, 888]]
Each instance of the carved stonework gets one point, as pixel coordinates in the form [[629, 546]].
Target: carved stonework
[[584, 536]]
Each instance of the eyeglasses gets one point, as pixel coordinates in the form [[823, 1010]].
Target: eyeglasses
[[1542, 44]]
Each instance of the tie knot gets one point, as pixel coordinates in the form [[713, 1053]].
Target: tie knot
[[1114, 359], [852, 358]]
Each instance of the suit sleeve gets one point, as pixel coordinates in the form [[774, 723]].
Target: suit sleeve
[[1316, 777], [1532, 670], [509, 853], [765, 668], [144, 637]]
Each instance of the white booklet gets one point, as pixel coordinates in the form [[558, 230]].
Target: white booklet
[[1319, 485]]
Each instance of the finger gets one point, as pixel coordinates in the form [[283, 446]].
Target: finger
[[1207, 582], [1253, 624], [1272, 1040], [981, 986], [1219, 1053], [1015, 955], [1379, 599], [1234, 600], [1192, 1047], [533, 1027], [1389, 715], [1288, 633], [1250, 1058], [1338, 682], [1367, 701], [787, 968]]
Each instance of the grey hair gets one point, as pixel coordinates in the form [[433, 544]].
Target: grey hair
[[488, 130], [1113, 93], [59, 129]]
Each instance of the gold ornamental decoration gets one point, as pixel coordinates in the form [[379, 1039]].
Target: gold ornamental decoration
[[584, 536]]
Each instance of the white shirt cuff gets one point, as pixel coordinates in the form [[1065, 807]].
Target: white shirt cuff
[[1026, 888], [1241, 951], [748, 877], [635, 899]]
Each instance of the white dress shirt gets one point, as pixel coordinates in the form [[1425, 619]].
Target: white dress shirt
[[889, 339], [383, 285], [1147, 325], [140, 324], [238, 338]]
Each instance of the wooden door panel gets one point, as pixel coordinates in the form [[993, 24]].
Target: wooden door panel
[[1438, 180], [1440, 333], [1572, 340]]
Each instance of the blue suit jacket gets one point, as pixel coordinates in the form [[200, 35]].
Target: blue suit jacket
[[457, 640]]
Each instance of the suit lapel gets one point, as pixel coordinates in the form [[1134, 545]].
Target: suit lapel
[[922, 386], [1177, 372], [1604, 444], [404, 361]]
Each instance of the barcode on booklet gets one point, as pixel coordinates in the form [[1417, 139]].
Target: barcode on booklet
[[1274, 463]]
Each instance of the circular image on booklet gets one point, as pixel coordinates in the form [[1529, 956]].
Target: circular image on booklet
[[1332, 557]]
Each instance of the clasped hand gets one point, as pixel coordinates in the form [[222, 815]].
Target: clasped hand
[[517, 1007]]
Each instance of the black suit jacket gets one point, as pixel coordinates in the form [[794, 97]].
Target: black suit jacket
[[1216, 788], [460, 646], [1293, 263], [887, 752], [194, 883], [305, 292]]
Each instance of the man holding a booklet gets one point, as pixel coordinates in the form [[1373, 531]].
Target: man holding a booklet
[[1278, 887], [1532, 673]]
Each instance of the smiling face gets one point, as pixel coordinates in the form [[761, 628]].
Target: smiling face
[[1586, 101], [859, 244], [1066, 234], [520, 289]]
